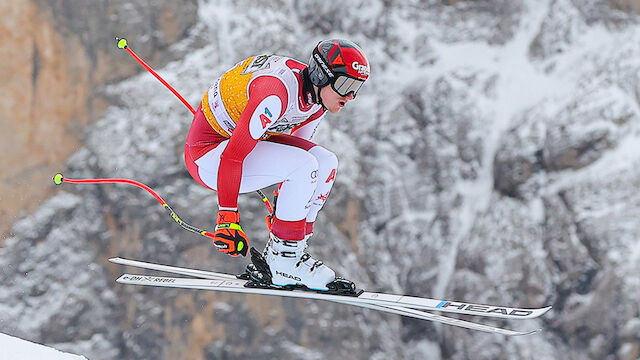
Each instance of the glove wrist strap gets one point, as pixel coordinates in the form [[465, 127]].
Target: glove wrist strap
[[232, 226], [226, 216]]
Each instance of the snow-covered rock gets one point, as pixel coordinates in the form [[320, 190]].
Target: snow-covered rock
[[491, 157]]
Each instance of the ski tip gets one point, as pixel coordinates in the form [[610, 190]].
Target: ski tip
[[534, 313], [58, 178], [523, 333], [533, 332], [545, 309], [116, 260]]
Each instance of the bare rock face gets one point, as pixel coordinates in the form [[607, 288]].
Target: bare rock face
[[44, 97], [56, 56], [519, 157]]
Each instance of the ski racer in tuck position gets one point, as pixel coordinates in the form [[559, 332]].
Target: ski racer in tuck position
[[253, 129]]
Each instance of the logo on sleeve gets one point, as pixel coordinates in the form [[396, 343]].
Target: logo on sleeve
[[264, 119], [264, 116]]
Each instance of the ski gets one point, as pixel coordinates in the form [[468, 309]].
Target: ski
[[368, 297], [238, 286]]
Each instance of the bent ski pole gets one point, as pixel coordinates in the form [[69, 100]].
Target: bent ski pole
[[122, 44], [59, 179]]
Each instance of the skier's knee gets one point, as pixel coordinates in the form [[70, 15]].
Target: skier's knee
[[327, 160]]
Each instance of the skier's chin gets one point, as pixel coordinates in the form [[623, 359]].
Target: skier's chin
[[335, 109]]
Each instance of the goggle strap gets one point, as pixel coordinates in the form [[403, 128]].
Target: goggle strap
[[324, 67]]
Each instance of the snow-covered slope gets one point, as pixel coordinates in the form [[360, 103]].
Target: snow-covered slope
[[493, 156], [12, 348]]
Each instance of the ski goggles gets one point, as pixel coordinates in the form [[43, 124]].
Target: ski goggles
[[344, 85]]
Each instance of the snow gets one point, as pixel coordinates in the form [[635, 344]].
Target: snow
[[511, 61], [13, 348], [455, 92]]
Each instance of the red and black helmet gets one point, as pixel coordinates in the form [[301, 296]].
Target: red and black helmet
[[339, 63]]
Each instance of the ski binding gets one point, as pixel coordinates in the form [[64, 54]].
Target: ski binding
[[258, 275]]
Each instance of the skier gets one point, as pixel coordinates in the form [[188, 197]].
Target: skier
[[253, 129]]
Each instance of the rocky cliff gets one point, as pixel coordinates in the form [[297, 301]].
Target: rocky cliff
[[492, 157], [57, 56]]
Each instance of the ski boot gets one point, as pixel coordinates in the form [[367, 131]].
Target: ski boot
[[290, 264], [285, 265]]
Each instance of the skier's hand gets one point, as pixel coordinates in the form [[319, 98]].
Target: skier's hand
[[229, 237]]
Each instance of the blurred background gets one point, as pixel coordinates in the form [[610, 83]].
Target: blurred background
[[492, 157]]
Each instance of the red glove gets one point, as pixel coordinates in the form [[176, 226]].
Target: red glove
[[229, 237]]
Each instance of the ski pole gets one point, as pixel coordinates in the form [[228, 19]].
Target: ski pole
[[123, 44], [59, 179]]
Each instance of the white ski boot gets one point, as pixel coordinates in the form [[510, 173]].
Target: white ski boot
[[291, 265]]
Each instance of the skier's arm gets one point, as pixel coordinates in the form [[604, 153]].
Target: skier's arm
[[267, 101]]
